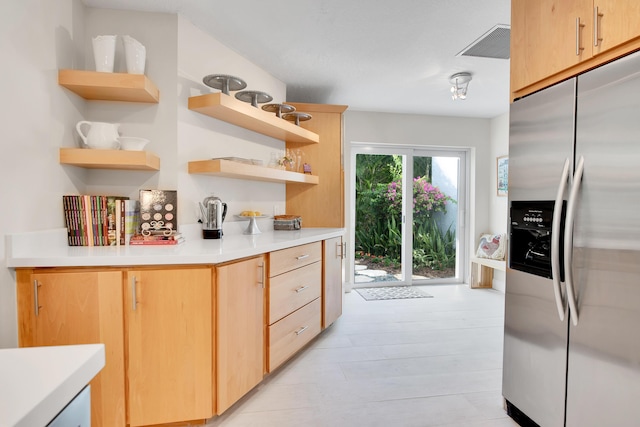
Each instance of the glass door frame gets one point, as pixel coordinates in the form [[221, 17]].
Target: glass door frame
[[406, 249], [408, 152], [462, 219]]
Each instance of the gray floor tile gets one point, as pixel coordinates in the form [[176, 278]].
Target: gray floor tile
[[419, 362]]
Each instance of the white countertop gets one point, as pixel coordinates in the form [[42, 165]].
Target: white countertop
[[50, 249], [37, 382]]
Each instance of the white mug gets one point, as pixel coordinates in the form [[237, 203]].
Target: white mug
[[104, 51], [135, 55]]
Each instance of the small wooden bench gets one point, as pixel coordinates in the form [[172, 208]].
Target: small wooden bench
[[482, 271]]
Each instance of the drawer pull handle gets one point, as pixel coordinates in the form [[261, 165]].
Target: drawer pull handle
[[301, 288], [579, 26], [37, 305], [134, 283], [302, 257], [261, 266], [301, 330]]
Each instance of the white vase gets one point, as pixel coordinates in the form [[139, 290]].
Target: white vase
[[104, 51], [135, 55]]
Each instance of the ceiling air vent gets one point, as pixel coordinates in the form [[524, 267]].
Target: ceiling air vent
[[492, 44]]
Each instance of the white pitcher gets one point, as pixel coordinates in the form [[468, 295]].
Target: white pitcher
[[135, 55], [104, 50], [103, 136]]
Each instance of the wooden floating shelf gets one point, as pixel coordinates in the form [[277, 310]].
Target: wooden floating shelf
[[94, 85], [243, 114], [109, 159], [231, 169]]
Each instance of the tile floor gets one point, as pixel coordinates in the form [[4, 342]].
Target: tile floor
[[401, 363]]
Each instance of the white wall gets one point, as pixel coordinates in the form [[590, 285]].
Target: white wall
[[498, 208], [201, 137], [157, 122], [38, 37], [419, 130]]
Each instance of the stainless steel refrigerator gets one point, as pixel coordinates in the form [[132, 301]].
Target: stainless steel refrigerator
[[572, 302]]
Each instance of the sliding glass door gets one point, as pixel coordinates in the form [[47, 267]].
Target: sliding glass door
[[408, 215]]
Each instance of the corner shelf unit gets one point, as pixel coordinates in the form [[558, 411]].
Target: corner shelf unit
[[109, 159], [94, 85], [231, 110], [229, 169]]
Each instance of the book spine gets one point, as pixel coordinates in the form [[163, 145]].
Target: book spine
[[97, 234], [67, 220], [81, 220], [123, 222], [132, 213], [105, 221], [118, 221], [88, 224]]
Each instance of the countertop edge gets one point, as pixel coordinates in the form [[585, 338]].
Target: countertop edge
[[76, 367], [50, 249]]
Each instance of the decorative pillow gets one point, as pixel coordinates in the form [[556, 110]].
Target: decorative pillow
[[492, 246]]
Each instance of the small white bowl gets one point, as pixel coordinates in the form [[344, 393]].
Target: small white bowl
[[132, 143]]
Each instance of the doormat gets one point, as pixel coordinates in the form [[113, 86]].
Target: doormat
[[392, 292]]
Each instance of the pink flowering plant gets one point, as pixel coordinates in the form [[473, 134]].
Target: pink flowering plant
[[427, 198]]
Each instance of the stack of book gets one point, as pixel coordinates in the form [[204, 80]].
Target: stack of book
[[157, 238], [99, 220]]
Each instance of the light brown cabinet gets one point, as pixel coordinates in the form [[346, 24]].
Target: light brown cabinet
[[617, 23], [288, 335], [240, 321], [65, 307], [320, 205], [555, 39], [295, 288], [169, 328], [547, 36], [332, 292], [183, 342]]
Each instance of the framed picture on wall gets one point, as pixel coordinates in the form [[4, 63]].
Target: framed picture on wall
[[502, 176]]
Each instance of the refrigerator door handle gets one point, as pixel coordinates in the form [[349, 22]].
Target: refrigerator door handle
[[568, 240], [555, 241]]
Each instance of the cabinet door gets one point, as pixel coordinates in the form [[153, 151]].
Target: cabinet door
[[79, 308], [546, 38], [617, 23], [321, 205], [240, 324], [170, 353], [332, 292]]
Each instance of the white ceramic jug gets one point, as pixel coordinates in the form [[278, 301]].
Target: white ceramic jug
[[135, 55], [103, 136], [104, 50]]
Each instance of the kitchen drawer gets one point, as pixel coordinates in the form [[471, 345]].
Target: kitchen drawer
[[290, 334], [291, 258], [293, 289]]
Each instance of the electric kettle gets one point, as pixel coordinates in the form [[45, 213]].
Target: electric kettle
[[214, 212]]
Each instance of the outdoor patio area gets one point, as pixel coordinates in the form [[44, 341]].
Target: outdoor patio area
[[366, 275]]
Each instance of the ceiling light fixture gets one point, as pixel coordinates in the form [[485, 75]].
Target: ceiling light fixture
[[459, 84]]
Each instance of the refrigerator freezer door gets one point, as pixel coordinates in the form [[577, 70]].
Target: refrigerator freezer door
[[541, 138], [535, 339], [603, 385]]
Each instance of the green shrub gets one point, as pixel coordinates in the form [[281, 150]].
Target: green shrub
[[378, 217]]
